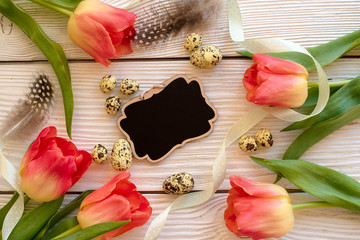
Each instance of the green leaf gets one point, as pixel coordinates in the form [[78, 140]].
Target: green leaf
[[324, 53], [50, 49], [324, 183], [93, 231], [297, 57], [5, 209], [69, 4], [63, 226], [62, 213], [344, 99], [329, 52], [263, 162], [318, 132], [313, 94], [32, 222]]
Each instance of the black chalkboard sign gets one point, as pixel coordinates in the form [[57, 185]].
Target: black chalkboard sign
[[167, 117]]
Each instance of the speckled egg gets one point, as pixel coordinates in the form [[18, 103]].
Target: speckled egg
[[178, 183], [121, 155], [206, 57], [248, 144], [112, 105], [193, 42], [128, 86], [99, 154], [108, 83], [264, 138]]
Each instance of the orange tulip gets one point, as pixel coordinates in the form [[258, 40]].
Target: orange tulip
[[101, 30], [258, 210], [51, 166], [276, 82], [117, 200]]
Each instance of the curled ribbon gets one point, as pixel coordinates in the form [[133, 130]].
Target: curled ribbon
[[11, 175], [248, 121]]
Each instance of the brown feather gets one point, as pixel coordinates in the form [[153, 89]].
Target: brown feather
[[163, 20], [27, 115]]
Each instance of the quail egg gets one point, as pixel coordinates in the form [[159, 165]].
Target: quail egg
[[206, 57], [193, 42], [178, 183], [112, 105], [108, 83], [121, 155], [248, 144], [99, 154], [128, 86], [264, 138]]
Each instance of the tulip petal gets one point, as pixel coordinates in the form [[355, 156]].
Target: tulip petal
[[263, 218], [138, 217], [279, 90], [113, 208], [49, 176], [280, 66], [83, 160], [106, 190], [246, 187], [45, 134], [250, 77], [112, 18], [92, 37]]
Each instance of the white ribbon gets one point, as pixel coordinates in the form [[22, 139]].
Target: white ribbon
[[11, 175], [247, 122]]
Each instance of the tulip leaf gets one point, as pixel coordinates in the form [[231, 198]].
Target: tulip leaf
[[313, 94], [53, 52], [324, 183], [297, 57], [69, 4], [344, 99], [62, 213], [63, 226], [5, 209], [324, 53], [317, 132], [32, 222], [93, 231]]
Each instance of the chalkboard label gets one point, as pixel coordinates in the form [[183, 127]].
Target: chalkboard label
[[167, 117]]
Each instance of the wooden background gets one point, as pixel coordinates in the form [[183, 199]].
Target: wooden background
[[307, 22]]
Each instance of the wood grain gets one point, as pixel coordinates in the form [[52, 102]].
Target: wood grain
[[92, 125], [307, 22], [207, 221]]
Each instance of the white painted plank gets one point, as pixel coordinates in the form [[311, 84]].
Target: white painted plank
[[307, 22], [206, 221], [91, 124]]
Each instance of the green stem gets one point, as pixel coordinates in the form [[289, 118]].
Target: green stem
[[312, 205], [68, 232], [53, 7], [331, 83]]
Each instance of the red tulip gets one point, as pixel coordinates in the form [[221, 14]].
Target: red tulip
[[51, 166], [276, 82], [258, 210], [101, 30], [117, 200]]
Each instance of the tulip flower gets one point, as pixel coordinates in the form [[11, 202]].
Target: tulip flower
[[117, 200], [258, 210], [276, 82], [101, 30], [51, 166]]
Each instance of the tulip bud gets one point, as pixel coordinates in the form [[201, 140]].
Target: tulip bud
[[51, 166], [117, 200], [258, 210], [101, 30], [276, 82]]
